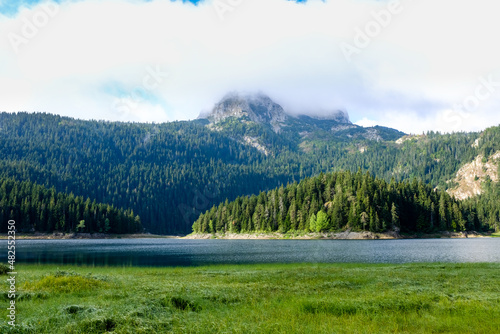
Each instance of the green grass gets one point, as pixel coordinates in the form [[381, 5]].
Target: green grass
[[297, 298], [496, 234]]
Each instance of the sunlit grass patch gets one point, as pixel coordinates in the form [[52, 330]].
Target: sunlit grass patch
[[64, 284]]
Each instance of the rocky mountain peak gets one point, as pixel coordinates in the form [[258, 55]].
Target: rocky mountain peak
[[258, 108]]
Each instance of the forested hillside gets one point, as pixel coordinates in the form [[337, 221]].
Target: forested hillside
[[339, 201], [166, 173], [36, 208], [170, 173]]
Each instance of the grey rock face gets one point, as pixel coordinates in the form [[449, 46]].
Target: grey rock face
[[257, 108]]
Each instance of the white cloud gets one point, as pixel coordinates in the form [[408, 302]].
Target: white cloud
[[92, 53], [367, 123]]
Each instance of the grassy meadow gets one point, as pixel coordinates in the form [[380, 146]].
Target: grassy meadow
[[295, 298]]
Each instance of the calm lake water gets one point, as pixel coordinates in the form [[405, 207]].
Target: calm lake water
[[177, 252]]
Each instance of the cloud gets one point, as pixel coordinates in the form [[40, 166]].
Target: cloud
[[367, 123], [94, 59]]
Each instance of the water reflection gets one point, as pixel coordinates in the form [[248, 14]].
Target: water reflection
[[177, 252]]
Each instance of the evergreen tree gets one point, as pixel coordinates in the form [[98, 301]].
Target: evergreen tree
[[312, 223], [321, 221], [394, 216]]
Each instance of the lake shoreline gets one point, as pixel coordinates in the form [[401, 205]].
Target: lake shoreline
[[345, 235], [66, 236]]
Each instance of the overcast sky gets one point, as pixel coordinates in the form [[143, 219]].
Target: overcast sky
[[411, 65]]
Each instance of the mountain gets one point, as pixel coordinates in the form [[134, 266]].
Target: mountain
[[166, 173], [170, 173], [250, 116], [257, 108]]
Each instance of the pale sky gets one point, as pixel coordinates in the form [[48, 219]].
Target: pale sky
[[411, 65]]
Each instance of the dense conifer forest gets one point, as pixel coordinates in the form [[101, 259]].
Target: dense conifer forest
[[170, 173], [36, 208], [343, 200]]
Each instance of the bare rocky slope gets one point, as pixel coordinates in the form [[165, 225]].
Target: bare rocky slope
[[471, 176]]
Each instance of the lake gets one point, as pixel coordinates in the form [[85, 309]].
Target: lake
[[180, 252]]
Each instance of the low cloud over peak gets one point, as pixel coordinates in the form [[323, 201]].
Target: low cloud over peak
[[419, 66]]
